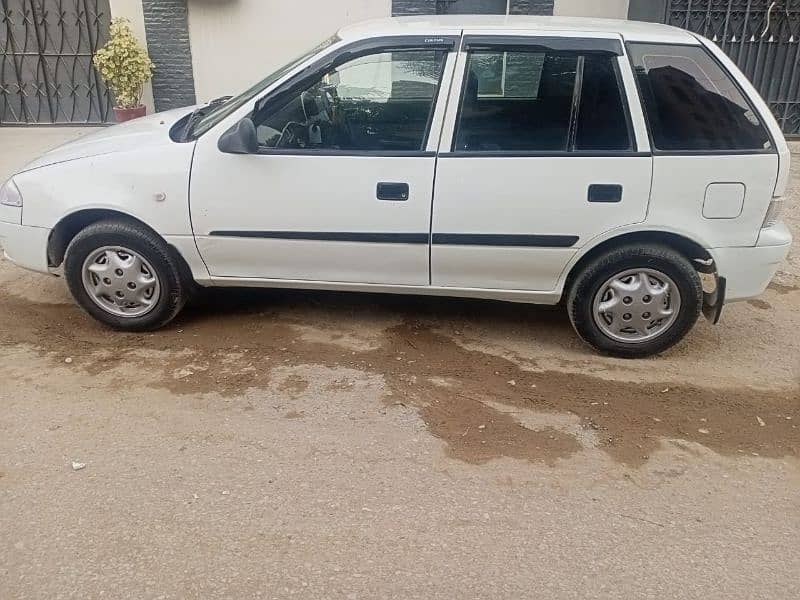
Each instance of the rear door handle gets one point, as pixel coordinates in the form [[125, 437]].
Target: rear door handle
[[605, 193], [393, 192]]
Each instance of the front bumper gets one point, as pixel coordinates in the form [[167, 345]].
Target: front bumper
[[748, 271], [25, 246]]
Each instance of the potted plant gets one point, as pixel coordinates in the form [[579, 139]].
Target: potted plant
[[125, 67]]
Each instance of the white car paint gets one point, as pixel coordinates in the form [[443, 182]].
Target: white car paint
[[185, 191], [341, 200], [140, 134], [133, 168]]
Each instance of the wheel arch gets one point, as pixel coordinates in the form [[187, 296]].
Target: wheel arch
[[693, 251], [72, 224]]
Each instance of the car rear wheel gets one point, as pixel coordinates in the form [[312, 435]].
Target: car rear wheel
[[123, 275], [635, 301]]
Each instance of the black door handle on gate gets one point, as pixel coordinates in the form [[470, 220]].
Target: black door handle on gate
[[395, 192], [605, 193]]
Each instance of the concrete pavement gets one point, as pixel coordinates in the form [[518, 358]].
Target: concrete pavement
[[280, 444]]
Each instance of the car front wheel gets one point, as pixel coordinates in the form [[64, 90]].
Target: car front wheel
[[636, 301], [123, 275]]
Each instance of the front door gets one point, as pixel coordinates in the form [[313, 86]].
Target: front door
[[341, 187], [543, 160]]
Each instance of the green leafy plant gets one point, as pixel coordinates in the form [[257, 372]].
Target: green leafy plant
[[124, 65]]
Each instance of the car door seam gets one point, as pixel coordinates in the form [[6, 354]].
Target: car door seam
[[442, 128], [189, 207]]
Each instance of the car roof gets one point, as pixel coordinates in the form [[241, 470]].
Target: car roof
[[456, 24]]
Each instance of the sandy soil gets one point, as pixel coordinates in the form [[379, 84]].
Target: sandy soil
[[270, 444]]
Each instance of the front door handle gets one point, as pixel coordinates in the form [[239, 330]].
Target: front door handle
[[605, 193], [393, 192]]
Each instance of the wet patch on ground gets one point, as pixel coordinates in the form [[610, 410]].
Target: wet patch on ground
[[783, 288], [760, 304], [475, 402]]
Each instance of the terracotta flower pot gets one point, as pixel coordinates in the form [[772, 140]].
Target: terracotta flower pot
[[126, 114]]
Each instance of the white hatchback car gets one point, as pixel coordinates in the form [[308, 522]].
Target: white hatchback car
[[526, 159]]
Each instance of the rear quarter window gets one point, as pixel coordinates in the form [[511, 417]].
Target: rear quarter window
[[692, 103]]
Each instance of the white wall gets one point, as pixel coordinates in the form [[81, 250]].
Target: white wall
[[132, 10], [612, 9], [238, 42]]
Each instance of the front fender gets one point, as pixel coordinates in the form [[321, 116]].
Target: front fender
[[151, 184]]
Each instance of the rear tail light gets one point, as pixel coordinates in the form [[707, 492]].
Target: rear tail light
[[773, 213]]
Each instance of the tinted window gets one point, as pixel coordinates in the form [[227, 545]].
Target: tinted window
[[692, 103], [517, 101], [602, 121], [528, 102], [378, 102]]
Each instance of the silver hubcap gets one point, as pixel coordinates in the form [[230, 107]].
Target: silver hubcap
[[121, 282], [636, 305]]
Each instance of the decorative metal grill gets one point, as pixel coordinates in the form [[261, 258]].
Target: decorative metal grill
[[46, 70], [762, 37]]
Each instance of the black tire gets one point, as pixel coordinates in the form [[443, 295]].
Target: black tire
[[661, 258], [175, 289]]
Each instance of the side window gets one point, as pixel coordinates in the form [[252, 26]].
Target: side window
[[516, 101], [541, 101], [602, 120], [378, 102], [692, 104]]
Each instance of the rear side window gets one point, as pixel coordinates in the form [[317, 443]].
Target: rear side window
[[541, 101], [602, 121], [692, 103]]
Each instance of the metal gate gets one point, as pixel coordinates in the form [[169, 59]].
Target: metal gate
[[762, 37], [46, 70]]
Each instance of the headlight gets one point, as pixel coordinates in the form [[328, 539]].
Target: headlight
[[773, 213], [9, 194]]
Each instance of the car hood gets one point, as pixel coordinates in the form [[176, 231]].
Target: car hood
[[140, 133]]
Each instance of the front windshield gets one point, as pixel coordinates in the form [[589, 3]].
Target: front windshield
[[223, 110]]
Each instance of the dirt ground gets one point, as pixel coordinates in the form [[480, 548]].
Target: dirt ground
[[274, 444]]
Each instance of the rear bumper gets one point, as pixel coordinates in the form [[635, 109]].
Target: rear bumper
[[748, 271], [25, 246]]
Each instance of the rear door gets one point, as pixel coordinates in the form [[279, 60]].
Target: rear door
[[542, 159]]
